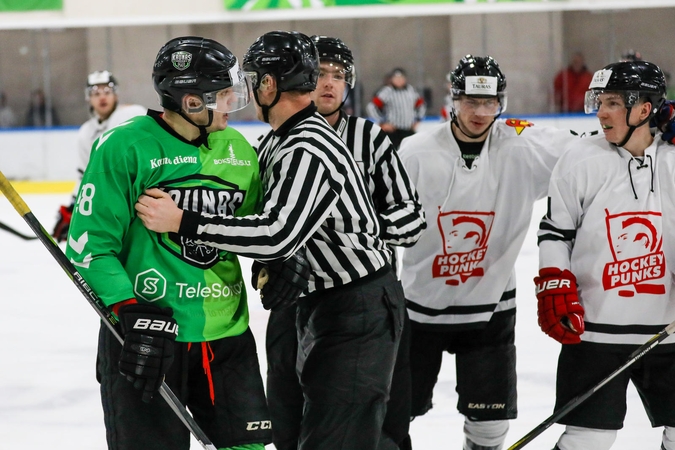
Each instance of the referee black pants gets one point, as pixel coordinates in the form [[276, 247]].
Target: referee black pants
[[348, 338], [284, 393]]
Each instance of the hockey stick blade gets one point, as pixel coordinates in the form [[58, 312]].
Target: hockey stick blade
[[576, 401], [108, 318], [25, 237]]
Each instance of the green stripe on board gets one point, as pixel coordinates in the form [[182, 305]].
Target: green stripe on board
[[30, 5]]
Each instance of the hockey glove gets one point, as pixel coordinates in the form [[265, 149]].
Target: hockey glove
[[560, 314], [664, 120], [281, 281], [60, 233], [149, 333]]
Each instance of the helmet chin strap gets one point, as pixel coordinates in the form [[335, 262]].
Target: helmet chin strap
[[202, 128], [266, 108], [631, 128]]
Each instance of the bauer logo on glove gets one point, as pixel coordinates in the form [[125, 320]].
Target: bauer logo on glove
[[560, 315]]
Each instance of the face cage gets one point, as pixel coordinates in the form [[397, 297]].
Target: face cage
[[482, 110], [230, 99], [592, 99]]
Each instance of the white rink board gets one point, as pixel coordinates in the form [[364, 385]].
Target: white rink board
[[51, 155]]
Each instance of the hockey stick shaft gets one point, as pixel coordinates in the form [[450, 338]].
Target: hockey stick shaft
[[576, 401], [108, 318], [16, 233]]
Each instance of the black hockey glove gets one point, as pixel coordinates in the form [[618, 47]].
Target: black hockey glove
[[281, 281], [149, 333], [60, 232]]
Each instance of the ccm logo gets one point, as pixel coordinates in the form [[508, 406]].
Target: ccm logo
[[156, 325], [262, 425], [553, 284]]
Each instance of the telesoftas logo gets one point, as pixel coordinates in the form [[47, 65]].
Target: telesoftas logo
[[519, 124], [465, 236], [636, 242]]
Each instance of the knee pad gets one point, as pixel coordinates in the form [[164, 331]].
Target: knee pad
[[668, 442], [580, 438], [485, 435]]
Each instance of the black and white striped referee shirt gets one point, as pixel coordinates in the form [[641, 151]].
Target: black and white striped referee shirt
[[314, 195], [397, 204], [402, 107]]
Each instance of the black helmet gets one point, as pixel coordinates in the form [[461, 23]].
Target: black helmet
[[477, 66], [289, 56], [97, 78], [195, 65], [481, 77], [333, 49], [634, 79]]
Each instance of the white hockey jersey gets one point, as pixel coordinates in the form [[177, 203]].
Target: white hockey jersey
[[461, 271], [610, 221], [92, 129]]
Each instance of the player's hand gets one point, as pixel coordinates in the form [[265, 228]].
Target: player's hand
[[62, 226], [158, 211], [664, 120], [149, 333], [281, 281], [560, 314]]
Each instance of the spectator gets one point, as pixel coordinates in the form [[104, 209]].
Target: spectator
[[38, 115], [631, 55], [397, 107], [570, 85], [7, 116]]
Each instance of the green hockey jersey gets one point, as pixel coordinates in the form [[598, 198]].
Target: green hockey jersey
[[120, 259]]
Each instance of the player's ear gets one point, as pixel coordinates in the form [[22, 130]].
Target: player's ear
[[192, 104], [268, 83]]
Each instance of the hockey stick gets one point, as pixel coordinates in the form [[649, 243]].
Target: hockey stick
[[16, 233], [576, 401], [108, 318]]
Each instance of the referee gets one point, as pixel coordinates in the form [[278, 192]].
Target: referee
[[397, 107], [350, 323], [402, 221]]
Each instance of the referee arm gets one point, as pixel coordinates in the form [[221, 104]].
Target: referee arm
[[301, 193]]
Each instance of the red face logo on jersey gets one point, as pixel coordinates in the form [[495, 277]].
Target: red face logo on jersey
[[636, 240], [465, 236], [518, 124]]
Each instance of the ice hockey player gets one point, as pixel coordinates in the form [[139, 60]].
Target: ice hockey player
[[101, 94], [605, 283]]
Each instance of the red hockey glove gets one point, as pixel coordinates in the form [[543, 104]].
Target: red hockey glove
[[560, 314], [60, 232]]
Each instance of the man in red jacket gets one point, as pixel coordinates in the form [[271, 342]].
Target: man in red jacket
[[571, 84]]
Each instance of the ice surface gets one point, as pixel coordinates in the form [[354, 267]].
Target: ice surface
[[49, 398]]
